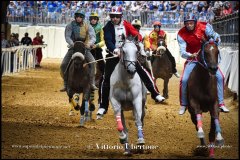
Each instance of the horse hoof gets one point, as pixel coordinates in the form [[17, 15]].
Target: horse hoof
[[127, 153], [92, 107], [211, 156], [81, 122], [211, 153], [140, 141], [77, 108], [220, 142], [99, 117], [71, 113], [87, 119]]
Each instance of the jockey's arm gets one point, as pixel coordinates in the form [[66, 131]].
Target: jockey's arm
[[92, 35], [68, 33], [146, 43], [150, 42], [108, 39], [102, 42], [183, 45], [211, 33]]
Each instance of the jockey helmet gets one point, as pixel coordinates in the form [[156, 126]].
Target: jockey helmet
[[92, 15], [190, 17], [79, 13], [116, 10], [136, 22], [157, 23]]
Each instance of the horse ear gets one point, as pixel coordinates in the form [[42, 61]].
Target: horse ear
[[123, 37]]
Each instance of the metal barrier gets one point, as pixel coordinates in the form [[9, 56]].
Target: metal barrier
[[19, 58], [169, 19], [228, 28]]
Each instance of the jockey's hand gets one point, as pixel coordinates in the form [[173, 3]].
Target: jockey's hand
[[194, 55], [148, 53], [93, 46], [88, 46], [70, 45], [116, 52]]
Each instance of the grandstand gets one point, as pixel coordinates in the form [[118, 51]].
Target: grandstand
[[169, 13]]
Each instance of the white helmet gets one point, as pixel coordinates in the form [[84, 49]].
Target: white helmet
[[136, 22]]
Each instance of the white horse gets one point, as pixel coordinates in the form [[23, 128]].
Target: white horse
[[127, 92]]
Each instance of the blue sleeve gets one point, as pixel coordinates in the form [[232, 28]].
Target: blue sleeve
[[183, 45], [211, 33], [108, 38]]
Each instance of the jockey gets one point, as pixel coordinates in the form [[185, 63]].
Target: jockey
[[78, 30], [189, 48], [153, 38], [113, 31], [97, 47], [137, 25]]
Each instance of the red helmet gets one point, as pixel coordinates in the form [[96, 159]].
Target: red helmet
[[190, 17], [116, 10], [157, 23]]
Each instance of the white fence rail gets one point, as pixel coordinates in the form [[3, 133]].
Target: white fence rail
[[19, 58]]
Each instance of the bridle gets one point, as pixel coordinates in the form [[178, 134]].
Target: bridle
[[123, 53]]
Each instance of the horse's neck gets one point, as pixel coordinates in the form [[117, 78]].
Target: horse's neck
[[205, 76]]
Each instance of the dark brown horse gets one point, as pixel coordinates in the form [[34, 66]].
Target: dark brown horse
[[78, 82], [162, 66], [202, 94]]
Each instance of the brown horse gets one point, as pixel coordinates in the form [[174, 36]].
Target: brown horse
[[202, 94], [78, 82], [161, 65]]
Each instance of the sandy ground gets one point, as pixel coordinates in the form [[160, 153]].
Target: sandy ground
[[36, 124]]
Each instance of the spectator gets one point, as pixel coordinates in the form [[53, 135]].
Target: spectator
[[227, 8], [26, 40], [161, 7], [12, 43], [38, 41], [4, 42]]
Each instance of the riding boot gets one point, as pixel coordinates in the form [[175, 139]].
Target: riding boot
[[148, 81], [92, 77], [149, 66]]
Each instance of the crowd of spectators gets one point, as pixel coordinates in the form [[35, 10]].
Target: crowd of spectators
[[26, 40], [168, 12]]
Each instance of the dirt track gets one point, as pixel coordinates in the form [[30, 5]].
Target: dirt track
[[35, 123]]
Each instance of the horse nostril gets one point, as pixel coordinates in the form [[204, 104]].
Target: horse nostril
[[131, 71], [213, 69]]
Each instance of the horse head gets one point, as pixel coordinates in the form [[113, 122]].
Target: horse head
[[78, 60], [161, 47], [209, 56], [129, 53]]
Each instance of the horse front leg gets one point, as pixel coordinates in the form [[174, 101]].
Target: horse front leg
[[124, 139], [165, 88], [219, 138], [197, 121], [91, 104], [86, 97], [72, 103], [138, 113]]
